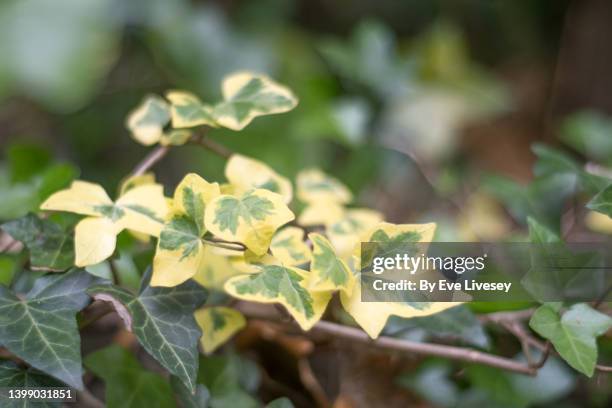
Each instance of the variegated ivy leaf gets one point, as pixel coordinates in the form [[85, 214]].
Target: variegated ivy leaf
[[134, 181], [141, 209], [188, 111], [346, 232], [162, 320], [218, 325], [180, 250], [175, 137], [327, 271], [315, 186], [285, 285], [289, 248], [251, 219], [128, 184], [147, 121], [215, 269], [321, 213], [245, 174], [372, 316], [247, 95]]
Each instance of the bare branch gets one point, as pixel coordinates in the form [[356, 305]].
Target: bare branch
[[352, 334], [150, 160]]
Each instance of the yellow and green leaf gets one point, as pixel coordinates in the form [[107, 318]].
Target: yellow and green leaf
[[327, 271], [180, 250], [179, 253], [321, 213], [245, 174], [345, 233], [315, 186], [247, 95], [147, 121], [218, 325], [289, 248], [141, 209], [372, 316], [285, 285], [215, 269], [251, 219], [188, 111]]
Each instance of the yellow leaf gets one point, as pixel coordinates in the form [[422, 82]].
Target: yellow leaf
[[372, 316], [315, 186], [284, 285], [245, 174], [171, 267], [289, 248], [81, 197], [192, 196], [247, 95], [215, 269], [345, 233], [147, 121], [327, 271], [598, 222], [251, 219], [145, 209], [188, 111], [94, 240], [134, 181], [141, 209], [218, 325], [482, 218], [128, 184], [321, 213]]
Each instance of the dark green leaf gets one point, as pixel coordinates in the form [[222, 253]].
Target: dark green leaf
[[51, 246], [41, 329], [13, 376], [128, 385], [230, 379], [280, 403], [162, 320], [187, 399]]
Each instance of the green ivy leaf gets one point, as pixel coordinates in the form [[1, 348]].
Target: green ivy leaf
[[573, 334], [13, 376], [602, 202], [162, 320], [41, 329], [128, 384], [230, 378], [187, 399], [51, 246]]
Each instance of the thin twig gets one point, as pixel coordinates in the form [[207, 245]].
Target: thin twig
[[150, 160], [209, 144], [389, 343], [221, 243], [312, 384]]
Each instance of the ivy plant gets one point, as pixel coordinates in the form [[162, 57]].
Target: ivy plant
[[218, 247]]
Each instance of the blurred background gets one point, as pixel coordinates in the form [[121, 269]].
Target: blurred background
[[427, 110]]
